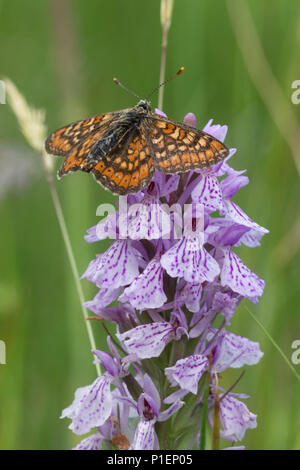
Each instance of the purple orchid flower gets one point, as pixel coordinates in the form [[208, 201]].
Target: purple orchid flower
[[149, 404], [149, 340], [91, 407], [172, 271], [235, 417]]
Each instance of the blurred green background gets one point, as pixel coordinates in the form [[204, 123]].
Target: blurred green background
[[62, 56]]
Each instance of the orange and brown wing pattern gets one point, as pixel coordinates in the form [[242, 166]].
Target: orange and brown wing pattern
[[76, 140], [77, 159], [177, 148], [128, 167], [63, 140]]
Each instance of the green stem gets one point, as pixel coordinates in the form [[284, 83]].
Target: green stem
[[162, 66], [284, 357], [66, 238], [216, 424], [202, 445], [166, 7]]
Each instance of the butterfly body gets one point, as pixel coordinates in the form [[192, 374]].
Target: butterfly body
[[120, 125], [123, 148]]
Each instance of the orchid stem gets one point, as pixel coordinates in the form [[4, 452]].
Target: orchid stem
[[216, 425]]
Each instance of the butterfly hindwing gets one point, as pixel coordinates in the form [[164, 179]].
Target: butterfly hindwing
[[176, 148], [128, 167]]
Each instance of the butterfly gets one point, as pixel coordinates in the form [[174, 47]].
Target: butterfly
[[122, 149]]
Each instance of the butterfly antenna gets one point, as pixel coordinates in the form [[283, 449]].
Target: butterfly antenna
[[115, 80], [166, 81]]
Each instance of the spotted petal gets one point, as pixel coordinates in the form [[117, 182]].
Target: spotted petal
[[104, 297], [226, 304], [145, 437], [91, 407], [239, 278], [251, 238], [146, 341], [188, 259], [235, 213], [235, 351], [192, 294], [118, 266], [208, 193], [234, 181], [235, 419], [93, 442], [148, 220], [146, 291], [187, 372], [104, 229]]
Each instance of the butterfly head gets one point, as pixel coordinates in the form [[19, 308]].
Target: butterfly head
[[145, 105]]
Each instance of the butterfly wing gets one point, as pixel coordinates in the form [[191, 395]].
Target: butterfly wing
[[75, 141], [128, 167], [122, 156], [177, 148]]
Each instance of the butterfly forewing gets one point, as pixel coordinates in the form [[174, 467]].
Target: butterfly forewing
[[176, 148], [75, 141], [62, 141]]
